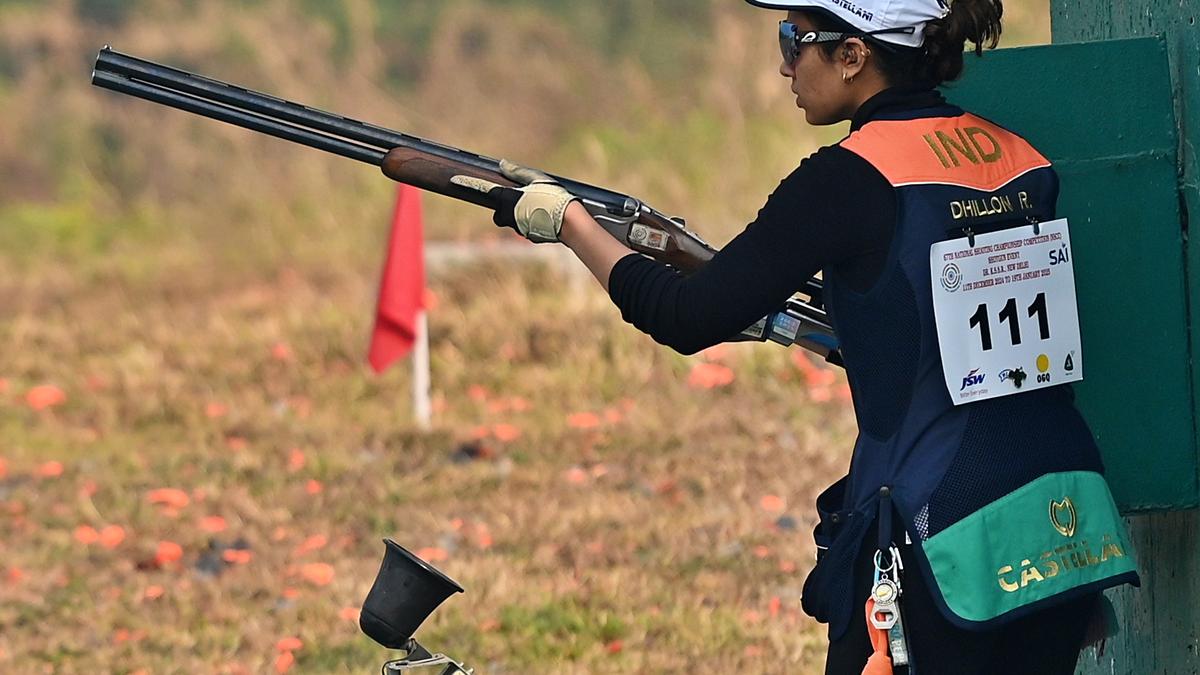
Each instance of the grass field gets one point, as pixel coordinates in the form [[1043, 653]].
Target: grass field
[[608, 517]]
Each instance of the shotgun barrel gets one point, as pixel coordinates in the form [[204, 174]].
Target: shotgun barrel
[[124, 73], [241, 118]]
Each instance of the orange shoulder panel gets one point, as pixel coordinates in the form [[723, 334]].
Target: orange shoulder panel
[[967, 150]]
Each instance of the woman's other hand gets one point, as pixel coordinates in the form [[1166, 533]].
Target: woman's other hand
[[535, 211]]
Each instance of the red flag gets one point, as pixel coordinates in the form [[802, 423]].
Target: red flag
[[402, 287]]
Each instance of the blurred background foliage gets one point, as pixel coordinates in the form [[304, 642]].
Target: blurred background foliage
[[675, 101]]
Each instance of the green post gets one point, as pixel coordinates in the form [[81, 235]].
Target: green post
[[1160, 623]]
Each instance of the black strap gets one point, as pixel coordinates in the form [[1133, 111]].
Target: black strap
[[885, 519]]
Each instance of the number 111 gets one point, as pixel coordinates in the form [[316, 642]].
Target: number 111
[[1009, 315]]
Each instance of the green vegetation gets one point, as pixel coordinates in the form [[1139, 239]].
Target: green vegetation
[[673, 100]]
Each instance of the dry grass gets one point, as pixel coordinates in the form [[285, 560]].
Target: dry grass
[[647, 530]]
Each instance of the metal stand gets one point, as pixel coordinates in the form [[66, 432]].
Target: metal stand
[[418, 657]]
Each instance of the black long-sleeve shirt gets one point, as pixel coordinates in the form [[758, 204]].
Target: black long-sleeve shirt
[[835, 209]]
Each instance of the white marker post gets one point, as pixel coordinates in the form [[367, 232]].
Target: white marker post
[[422, 407]]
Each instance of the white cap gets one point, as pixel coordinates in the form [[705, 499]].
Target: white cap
[[873, 15]]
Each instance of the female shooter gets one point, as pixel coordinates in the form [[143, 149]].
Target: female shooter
[[941, 526]]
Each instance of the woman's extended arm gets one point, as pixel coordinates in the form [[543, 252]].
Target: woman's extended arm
[[595, 247], [834, 208]]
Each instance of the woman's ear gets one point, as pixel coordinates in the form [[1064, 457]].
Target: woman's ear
[[852, 56]]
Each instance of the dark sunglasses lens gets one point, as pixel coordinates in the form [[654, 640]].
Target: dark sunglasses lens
[[787, 41]]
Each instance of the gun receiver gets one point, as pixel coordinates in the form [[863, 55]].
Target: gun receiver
[[428, 165]]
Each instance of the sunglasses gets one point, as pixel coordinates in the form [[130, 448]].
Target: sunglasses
[[791, 38]]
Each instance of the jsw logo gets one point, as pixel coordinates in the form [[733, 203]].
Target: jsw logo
[[973, 378]]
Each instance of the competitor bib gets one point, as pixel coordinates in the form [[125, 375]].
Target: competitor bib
[[1006, 312]]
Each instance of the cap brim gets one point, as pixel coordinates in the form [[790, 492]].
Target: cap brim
[[823, 9], [806, 5], [796, 4]]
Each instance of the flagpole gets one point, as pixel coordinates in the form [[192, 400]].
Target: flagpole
[[422, 407]]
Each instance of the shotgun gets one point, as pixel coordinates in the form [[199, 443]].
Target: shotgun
[[430, 166]]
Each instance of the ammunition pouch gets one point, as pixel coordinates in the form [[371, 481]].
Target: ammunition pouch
[[829, 588]]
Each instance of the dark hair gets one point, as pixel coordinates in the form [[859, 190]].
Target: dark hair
[[941, 58]]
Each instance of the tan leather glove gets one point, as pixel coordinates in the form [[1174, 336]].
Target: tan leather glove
[[535, 211]]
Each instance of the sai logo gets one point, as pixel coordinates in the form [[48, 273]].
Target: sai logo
[[1062, 255], [973, 379], [951, 277], [1060, 511]]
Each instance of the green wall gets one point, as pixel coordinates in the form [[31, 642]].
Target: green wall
[[1116, 156], [1160, 622]]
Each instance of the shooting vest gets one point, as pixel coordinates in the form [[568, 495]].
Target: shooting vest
[[1003, 499]]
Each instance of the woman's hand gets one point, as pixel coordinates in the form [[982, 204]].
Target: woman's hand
[[539, 211], [535, 211]]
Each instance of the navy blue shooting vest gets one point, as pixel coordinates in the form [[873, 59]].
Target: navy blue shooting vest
[[957, 471]]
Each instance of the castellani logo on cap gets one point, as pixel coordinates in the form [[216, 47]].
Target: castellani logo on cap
[[874, 15]]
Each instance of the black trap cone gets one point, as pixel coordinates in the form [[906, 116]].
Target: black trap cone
[[406, 591]]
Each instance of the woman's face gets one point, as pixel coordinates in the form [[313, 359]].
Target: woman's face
[[817, 80]]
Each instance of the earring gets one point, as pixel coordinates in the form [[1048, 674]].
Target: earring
[[847, 78]]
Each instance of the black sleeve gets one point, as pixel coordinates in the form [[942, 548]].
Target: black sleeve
[[835, 209]]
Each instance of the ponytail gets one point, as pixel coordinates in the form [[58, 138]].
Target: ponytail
[[975, 21]]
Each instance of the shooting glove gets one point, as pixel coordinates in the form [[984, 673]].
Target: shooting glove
[[535, 211]]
